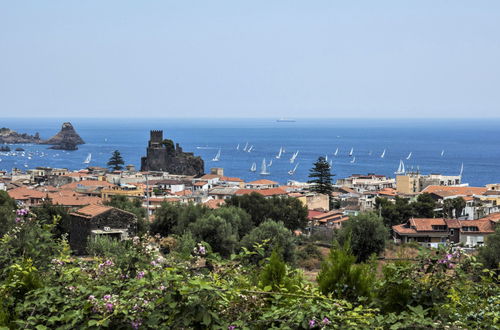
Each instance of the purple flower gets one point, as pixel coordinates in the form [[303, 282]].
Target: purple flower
[[153, 263], [162, 287], [449, 256], [22, 212], [312, 323], [202, 250], [231, 327], [91, 298], [106, 297], [109, 307], [326, 321], [140, 274], [109, 263], [136, 324], [18, 220]]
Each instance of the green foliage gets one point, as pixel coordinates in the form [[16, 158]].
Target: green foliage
[[46, 213], [175, 218], [321, 177], [238, 218], [366, 233], [394, 213], [489, 254], [116, 161], [217, 232], [288, 210], [7, 207], [424, 206], [273, 274], [276, 235], [342, 278]]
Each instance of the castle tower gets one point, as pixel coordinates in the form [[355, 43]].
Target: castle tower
[[155, 138]]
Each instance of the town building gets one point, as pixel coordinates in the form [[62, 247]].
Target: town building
[[415, 182]]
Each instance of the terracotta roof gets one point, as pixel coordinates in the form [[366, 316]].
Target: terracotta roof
[[484, 226], [263, 182], [23, 193], [492, 217], [75, 200], [417, 225], [295, 194], [388, 192], [446, 191], [348, 190], [186, 192], [312, 213], [214, 203], [87, 183], [425, 224], [403, 229], [210, 176], [264, 192], [226, 178], [200, 183], [91, 211]]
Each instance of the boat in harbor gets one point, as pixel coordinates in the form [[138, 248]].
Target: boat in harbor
[[263, 168], [88, 159], [401, 168], [217, 157], [253, 168], [292, 171]]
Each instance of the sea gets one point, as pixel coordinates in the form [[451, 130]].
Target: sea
[[436, 145]]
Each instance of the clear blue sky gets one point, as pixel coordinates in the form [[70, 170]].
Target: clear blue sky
[[425, 58]]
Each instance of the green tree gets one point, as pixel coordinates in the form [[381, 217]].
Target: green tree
[[238, 218], [166, 218], [341, 277], [394, 213], [273, 274], [277, 236], [288, 210], [7, 215], [366, 233], [116, 161], [217, 232], [321, 177], [424, 206], [46, 213], [458, 205], [489, 254]]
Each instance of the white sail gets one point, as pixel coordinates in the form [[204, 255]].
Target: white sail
[[331, 163], [461, 170], [292, 171], [409, 156], [351, 152], [401, 168], [254, 167], [217, 157], [88, 159], [238, 147], [250, 149], [270, 163], [294, 156], [383, 154], [263, 168], [369, 153], [442, 153], [246, 146], [279, 153], [336, 152], [326, 158], [353, 159]]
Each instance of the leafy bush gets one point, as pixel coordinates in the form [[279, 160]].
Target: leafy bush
[[489, 254], [342, 278], [217, 232]]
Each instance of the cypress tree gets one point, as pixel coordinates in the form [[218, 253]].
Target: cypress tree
[[116, 161], [321, 177]]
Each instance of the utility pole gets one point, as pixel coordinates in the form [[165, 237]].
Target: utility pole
[[147, 198]]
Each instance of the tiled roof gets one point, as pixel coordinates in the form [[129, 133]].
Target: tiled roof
[[312, 214], [446, 191], [210, 176], [484, 226], [226, 178], [214, 203], [200, 183], [492, 217], [265, 192], [263, 182], [87, 183], [403, 229], [23, 193], [425, 224], [421, 225], [91, 211], [75, 200]]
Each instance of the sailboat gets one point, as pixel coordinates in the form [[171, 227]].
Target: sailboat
[[336, 152], [353, 159], [250, 149], [326, 158], [461, 170], [270, 163], [383, 154], [217, 157], [246, 146], [350, 152], [88, 159], [409, 156], [294, 156], [292, 171], [238, 147], [369, 153], [401, 168], [279, 153], [253, 168], [331, 163], [442, 153], [263, 168]]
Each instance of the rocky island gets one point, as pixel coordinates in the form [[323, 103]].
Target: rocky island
[[66, 139], [10, 136], [163, 155]]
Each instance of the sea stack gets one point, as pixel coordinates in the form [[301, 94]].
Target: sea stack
[[66, 139], [163, 155]]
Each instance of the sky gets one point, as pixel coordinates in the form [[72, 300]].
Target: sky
[[186, 58]]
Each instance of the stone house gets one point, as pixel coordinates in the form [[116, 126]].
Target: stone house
[[99, 220]]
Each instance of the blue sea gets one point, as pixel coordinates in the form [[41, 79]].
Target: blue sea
[[475, 143]]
